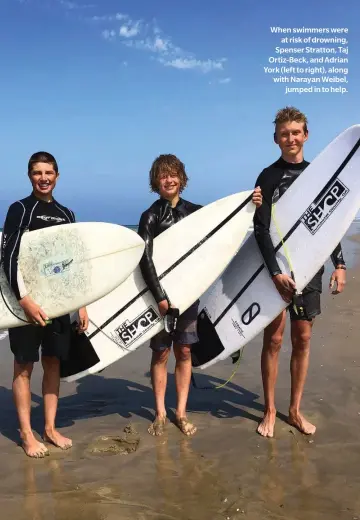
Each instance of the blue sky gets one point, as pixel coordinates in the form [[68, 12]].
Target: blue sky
[[108, 85]]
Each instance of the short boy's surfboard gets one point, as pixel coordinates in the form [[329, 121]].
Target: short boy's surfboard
[[71, 265], [188, 257]]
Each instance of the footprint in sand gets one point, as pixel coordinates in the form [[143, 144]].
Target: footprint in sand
[[114, 445]]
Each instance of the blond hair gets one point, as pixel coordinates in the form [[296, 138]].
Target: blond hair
[[288, 115]]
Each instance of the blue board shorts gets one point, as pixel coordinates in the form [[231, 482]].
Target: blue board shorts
[[185, 334]]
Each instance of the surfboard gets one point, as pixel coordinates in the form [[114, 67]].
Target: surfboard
[[68, 266], [188, 257], [312, 216]]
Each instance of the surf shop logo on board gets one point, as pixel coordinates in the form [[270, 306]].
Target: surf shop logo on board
[[53, 268], [320, 210], [128, 332]]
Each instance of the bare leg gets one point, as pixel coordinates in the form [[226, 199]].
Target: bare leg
[[50, 388], [273, 336], [300, 337], [22, 398], [159, 381], [183, 370]]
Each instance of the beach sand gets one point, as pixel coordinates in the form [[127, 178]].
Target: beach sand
[[226, 471]]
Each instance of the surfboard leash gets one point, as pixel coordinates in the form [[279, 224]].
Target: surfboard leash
[[296, 301], [237, 365]]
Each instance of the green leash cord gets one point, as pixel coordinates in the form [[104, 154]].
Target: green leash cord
[[226, 382], [296, 308], [287, 256], [235, 370]]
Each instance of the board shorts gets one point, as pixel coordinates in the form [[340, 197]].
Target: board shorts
[[185, 334], [311, 299], [54, 340]]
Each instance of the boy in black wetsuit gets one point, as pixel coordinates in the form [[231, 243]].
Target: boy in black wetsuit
[[39, 210], [290, 134], [168, 178]]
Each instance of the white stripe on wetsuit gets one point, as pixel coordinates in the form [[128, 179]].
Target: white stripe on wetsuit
[[67, 216]]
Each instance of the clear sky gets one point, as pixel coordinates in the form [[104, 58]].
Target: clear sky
[[107, 85]]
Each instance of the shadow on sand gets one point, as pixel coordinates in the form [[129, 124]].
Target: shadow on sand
[[98, 396]]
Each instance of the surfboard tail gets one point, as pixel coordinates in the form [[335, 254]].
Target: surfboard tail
[[82, 355], [209, 345]]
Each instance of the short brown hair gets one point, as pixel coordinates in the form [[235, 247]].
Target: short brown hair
[[167, 163], [289, 114], [45, 157]]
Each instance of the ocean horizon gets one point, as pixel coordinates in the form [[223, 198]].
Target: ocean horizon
[[134, 227]]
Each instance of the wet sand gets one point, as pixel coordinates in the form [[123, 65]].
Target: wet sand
[[226, 471]]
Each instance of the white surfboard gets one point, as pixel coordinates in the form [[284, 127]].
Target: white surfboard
[[313, 215], [188, 258], [71, 265]]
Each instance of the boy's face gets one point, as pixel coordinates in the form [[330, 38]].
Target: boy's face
[[169, 184], [290, 137], [43, 178]]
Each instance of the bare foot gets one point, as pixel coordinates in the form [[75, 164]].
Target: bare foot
[[267, 425], [157, 428], [58, 440], [297, 420], [32, 447], [185, 426]]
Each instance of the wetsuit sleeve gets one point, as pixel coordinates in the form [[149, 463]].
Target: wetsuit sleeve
[[262, 220], [147, 232], [337, 256], [10, 247]]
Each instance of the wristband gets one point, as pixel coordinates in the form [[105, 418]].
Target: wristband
[[341, 267]]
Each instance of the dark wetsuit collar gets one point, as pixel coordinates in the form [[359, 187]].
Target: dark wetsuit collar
[[35, 199], [166, 202], [291, 166]]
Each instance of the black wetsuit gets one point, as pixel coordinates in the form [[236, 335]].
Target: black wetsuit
[[156, 219], [274, 181], [32, 214], [159, 217]]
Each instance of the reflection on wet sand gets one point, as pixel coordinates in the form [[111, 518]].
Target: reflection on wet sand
[[187, 483], [285, 473], [49, 495], [271, 488]]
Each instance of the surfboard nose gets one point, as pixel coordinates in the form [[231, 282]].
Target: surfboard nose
[[107, 238]]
